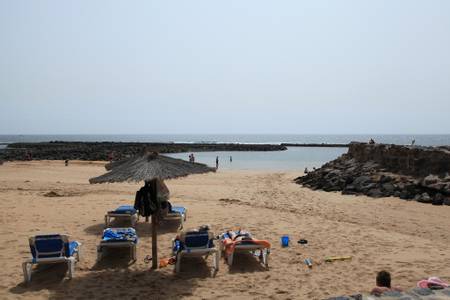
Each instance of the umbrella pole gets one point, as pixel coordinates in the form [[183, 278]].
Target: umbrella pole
[[154, 228], [154, 241]]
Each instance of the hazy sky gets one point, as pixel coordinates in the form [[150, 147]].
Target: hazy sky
[[224, 66]]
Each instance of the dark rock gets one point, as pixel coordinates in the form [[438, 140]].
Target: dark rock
[[376, 193], [430, 179], [446, 201], [388, 187], [438, 199], [361, 180], [385, 179], [425, 198]]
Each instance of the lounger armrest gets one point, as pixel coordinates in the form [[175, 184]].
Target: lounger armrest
[[249, 247], [49, 260], [199, 250], [74, 247]]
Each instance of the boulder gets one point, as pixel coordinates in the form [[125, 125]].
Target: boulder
[[446, 201], [376, 193], [430, 179], [405, 195], [424, 198], [438, 199], [360, 180], [385, 179], [388, 187]]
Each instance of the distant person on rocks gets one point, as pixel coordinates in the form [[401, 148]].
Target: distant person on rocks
[[193, 158], [217, 162], [371, 142], [413, 142], [306, 171], [384, 284]]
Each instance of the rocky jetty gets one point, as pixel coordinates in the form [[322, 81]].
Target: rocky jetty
[[323, 145], [113, 150], [379, 170]]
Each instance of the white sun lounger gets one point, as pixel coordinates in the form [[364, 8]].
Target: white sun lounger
[[246, 246], [118, 238], [177, 212], [196, 244], [126, 212], [51, 249]]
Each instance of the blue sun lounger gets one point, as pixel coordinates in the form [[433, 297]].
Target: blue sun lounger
[[118, 238], [51, 249], [127, 212], [195, 243], [177, 212]]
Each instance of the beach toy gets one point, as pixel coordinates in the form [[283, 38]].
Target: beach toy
[[308, 262], [285, 241], [335, 258], [164, 262]]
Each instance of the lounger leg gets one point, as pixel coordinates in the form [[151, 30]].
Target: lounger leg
[[71, 266], [133, 220], [217, 260], [27, 267], [178, 263], [266, 258], [230, 259], [133, 252], [181, 222], [106, 221], [78, 253], [99, 253]]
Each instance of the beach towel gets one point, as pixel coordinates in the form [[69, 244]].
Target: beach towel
[[124, 209], [119, 234], [432, 282], [231, 239]]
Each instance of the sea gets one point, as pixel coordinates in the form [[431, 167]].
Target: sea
[[293, 159]]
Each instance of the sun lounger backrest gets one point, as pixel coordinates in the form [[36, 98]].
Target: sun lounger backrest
[[197, 239], [125, 209], [52, 245]]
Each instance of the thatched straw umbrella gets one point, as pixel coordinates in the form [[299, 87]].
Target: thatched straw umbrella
[[150, 166]]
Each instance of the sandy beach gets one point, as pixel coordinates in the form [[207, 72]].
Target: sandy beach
[[409, 239]]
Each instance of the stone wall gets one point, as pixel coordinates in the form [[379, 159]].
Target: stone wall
[[408, 160]]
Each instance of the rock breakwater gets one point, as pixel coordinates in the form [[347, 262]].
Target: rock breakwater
[[379, 170], [113, 150]]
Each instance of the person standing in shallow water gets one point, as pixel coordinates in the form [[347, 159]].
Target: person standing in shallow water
[[231, 159], [217, 162]]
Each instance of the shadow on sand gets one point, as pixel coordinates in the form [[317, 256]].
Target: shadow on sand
[[246, 263], [114, 258], [143, 229], [117, 283]]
